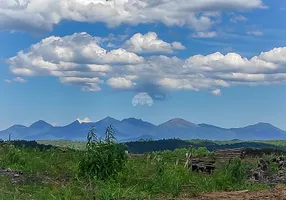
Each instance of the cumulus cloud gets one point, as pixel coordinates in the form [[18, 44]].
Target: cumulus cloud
[[76, 59], [17, 79], [204, 34], [87, 65], [150, 43], [178, 46], [120, 83], [42, 15]]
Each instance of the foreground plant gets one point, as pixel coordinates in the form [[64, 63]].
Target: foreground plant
[[104, 158]]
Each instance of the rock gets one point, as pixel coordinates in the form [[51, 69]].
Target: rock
[[8, 170], [262, 173]]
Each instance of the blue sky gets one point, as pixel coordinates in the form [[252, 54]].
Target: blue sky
[[199, 60]]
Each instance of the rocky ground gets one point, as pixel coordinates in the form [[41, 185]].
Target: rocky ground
[[18, 177], [263, 174]]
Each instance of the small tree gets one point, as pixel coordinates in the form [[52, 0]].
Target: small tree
[[202, 152], [103, 158]]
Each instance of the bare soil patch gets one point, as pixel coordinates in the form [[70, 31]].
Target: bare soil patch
[[276, 194]]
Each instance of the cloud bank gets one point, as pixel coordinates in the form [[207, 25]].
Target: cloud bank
[[79, 60], [42, 15]]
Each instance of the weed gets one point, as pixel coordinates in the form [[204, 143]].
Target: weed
[[103, 158]]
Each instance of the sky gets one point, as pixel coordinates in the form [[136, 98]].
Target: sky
[[207, 61]]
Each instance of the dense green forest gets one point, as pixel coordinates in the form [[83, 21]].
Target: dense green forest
[[172, 144], [144, 146]]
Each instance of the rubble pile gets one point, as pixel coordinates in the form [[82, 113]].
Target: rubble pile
[[262, 173], [16, 176]]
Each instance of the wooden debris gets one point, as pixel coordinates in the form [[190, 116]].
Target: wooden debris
[[228, 154]]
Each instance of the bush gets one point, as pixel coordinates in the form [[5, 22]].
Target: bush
[[232, 175], [201, 152], [12, 156], [103, 158]]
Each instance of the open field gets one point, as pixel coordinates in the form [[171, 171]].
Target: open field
[[45, 172]]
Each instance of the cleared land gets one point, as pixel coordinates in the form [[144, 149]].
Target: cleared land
[[31, 171]]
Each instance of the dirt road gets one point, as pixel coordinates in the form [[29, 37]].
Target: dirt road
[[276, 194]]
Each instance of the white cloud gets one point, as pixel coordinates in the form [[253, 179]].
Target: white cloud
[[123, 70], [174, 83], [66, 52], [120, 83], [86, 83], [276, 55], [85, 120], [238, 18], [71, 58], [42, 15], [17, 79], [216, 92], [178, 46], [204, 34], [150, 43], [255, 33]]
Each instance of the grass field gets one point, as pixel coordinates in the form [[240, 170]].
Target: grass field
[[54, 174]]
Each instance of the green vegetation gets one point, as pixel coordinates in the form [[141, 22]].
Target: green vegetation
[[100, 169], [103, 158], [78, 145], [57, 174], [144, 146]]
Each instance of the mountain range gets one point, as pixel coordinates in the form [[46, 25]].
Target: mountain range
[[132, 129]]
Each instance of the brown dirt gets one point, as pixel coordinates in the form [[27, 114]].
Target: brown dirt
[[276, 194]]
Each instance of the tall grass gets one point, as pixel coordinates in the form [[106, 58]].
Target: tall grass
[[149, 177], [103, 158]]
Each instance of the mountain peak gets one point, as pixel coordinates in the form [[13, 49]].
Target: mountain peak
[[40, 124], [137, 122], [131, 119], [18, 126], [109, 120], [264, 125], [179, 122], [176, 120]]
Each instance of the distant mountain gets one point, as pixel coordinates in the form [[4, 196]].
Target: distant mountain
[[178, 128], [260, 130], [38, 128], [40, 125], [178, 123], [132, 129], [15, 131]]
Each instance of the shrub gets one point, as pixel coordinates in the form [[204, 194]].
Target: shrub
[[236, 171], [103, 158], [12, 156], [232, 175], [201, 152]]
